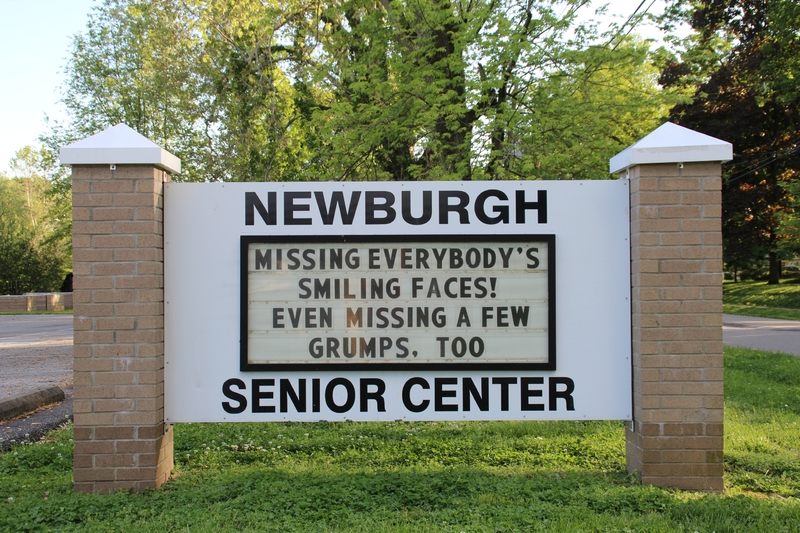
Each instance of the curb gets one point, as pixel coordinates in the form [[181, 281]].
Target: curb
[[19, 404]]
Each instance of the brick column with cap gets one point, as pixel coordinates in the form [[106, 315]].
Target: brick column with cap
[[676, 437], [121, 441]]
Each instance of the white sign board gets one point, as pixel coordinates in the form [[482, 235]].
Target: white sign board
[[386, 301]]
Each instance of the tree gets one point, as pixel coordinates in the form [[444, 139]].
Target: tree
[[745, 95], [141, 63], [34, 252], [441, 90], [365, 89], [602, 104]]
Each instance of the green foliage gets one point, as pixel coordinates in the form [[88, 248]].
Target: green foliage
[[742, 66], [35, 217], [140, 63], [435, 476], [288, 90], [24, 267], [789, 221], [601, 103]]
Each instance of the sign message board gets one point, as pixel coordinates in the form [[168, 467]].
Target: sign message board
[[387, 301], [425, 304]]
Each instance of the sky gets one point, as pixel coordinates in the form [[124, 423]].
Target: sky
[[34, 44]]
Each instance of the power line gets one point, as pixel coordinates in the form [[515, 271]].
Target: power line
[[771, 160], [628, 22]]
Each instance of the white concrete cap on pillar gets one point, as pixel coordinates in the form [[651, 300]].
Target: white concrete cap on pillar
[[670, 143], [119, 145]]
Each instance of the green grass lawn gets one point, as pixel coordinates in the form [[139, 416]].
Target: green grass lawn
[[447, 476], [756, 298]]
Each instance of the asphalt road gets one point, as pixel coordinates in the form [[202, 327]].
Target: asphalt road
[[35, 352], [761, 333], [18, 328]]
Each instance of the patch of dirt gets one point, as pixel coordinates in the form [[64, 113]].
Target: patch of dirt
[[34, 363], [29, 362]]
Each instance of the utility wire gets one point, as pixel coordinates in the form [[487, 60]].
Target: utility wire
[[737, 177], [628, 22]]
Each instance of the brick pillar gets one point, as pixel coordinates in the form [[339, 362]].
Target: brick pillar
[[121, 441], [676, 278], [675, 438]]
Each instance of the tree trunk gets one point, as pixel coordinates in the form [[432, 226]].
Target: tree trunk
[[774, 269], [452, 130]]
